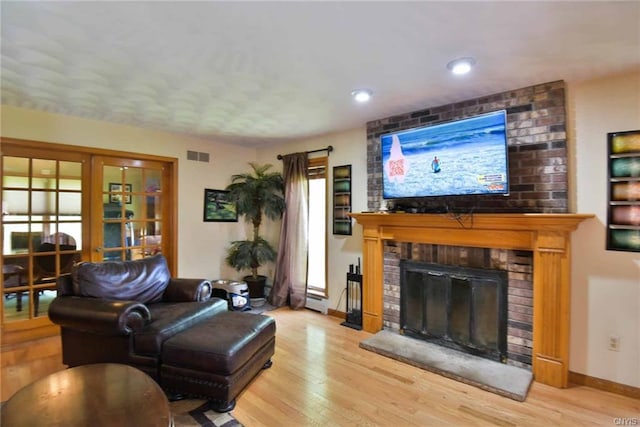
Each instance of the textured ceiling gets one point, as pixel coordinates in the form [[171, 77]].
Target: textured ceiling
[[260, 72]]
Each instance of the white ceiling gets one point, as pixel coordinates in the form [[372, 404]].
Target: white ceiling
[[259, 72]]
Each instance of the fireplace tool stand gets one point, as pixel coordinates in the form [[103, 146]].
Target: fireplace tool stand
[[354, 300]]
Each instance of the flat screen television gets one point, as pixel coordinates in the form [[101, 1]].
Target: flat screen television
[[461, 157]]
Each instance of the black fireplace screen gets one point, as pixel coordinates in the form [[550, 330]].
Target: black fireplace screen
[[459, 307]]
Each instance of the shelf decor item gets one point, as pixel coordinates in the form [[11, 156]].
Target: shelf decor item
[[623, 216], [342, 200]]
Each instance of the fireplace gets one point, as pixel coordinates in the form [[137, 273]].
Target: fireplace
[[457, 307], [546, 235]]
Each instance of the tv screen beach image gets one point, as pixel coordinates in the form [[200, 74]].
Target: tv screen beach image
[[463, 157]]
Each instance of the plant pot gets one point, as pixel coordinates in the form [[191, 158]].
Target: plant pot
[[256, 285]]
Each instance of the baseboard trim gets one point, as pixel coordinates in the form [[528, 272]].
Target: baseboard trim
[[604, 385], [336, 313]]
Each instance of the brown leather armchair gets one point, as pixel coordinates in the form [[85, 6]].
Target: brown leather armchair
[[121, 312], [135, 313]]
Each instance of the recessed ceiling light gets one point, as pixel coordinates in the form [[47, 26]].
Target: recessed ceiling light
[[461, 65], [361, 95]]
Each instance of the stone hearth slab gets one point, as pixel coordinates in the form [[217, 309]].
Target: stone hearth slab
[[505, 380]]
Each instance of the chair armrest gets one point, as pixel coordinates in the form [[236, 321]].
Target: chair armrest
[[184, 290], [64, 283], [99, 315]]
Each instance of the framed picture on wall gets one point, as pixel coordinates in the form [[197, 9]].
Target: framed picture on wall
[[623, 210], [218, 207], [115, 189], [342, 200]]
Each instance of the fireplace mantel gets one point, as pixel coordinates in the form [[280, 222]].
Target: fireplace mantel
[[547, 235]]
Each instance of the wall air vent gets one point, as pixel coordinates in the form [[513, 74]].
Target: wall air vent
[[197, 156]]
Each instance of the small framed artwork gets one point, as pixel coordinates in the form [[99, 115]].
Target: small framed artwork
[[623, 216], [115, 187], [218, 207]]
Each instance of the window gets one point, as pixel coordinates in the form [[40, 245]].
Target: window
[[317, 258]]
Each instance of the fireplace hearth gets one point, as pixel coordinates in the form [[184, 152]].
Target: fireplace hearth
[[458, 307]]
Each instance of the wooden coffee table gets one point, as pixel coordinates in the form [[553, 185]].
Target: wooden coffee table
[[104, 394]]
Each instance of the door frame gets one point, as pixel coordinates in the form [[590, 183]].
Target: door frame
[[21, 331], [97, 216]]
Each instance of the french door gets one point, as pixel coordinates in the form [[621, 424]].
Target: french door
[[133, 209], [43, 227], [64, 204]]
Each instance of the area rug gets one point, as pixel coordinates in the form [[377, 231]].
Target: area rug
[[505, 380], [195, 413]]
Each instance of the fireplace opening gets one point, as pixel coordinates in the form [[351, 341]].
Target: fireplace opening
[[458, 307]]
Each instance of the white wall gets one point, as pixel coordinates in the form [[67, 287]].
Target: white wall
[[605, 284], [201, 245], [349, 148]]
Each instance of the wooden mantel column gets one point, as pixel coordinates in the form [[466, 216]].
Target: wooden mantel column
[[373, 276], [547, 235]]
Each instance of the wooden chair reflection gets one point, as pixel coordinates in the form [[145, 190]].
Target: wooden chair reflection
[[13, 277], [45, 271]]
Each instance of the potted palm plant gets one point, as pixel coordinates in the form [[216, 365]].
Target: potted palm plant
[[256, 194]]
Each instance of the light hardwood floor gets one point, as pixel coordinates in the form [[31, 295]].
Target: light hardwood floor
[[320, 377]]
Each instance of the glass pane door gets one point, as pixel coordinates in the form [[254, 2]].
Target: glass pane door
[[132, 210], [41, 231]]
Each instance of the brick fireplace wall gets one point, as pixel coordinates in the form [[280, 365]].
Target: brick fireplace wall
[[518, 264], [536, 132]]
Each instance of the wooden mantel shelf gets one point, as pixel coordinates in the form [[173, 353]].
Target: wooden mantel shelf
[[547, 235]]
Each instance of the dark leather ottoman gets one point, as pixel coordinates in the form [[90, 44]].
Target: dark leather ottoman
[[217, 358]]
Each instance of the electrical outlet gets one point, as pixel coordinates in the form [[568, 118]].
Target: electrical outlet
[[614, 343]]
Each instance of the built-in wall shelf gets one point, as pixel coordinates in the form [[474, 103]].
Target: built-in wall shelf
[[342, 200], [623, 210]]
